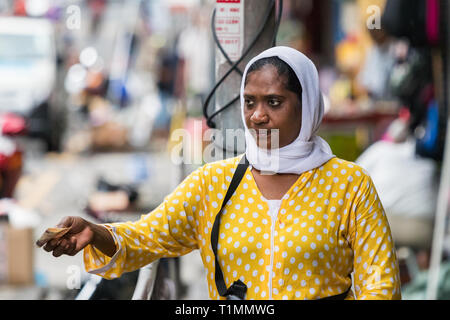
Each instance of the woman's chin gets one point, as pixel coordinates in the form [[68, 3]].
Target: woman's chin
[[264, 146], [264, 143]]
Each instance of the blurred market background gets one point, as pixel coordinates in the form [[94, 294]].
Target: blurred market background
[[91, 91]]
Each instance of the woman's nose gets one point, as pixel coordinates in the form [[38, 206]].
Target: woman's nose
[[259, 115]]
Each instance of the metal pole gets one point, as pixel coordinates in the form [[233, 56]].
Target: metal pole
[[253, 15], [146, 282], [444, 189], [440, 225]]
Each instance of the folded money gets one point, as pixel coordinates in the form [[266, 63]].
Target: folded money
[[51, 233]]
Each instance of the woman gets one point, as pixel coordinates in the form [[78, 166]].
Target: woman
[[296, 233]]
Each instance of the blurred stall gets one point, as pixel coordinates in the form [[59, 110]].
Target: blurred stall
[[353, 62], [382, 73], [415, 141]]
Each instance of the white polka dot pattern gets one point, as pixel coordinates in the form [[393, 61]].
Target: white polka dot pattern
[[330, 224]]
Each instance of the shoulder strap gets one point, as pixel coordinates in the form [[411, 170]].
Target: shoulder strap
[[238, 288], [340, 296]]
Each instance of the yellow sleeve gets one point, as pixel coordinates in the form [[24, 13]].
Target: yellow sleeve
[[376, 272], [168, 231]]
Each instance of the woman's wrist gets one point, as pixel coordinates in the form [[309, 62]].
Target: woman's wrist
[[102, 239]]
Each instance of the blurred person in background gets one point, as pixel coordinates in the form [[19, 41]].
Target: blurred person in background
[[166, 81], [97, 8], [196, 55], [378, 64], [407, 185], [405, 164]]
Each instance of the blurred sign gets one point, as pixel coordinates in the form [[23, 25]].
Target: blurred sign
[[230, 26]]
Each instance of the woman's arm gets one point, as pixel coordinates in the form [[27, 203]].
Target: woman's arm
[[376, 272], [168, 231], [112, 249], [103, 240]]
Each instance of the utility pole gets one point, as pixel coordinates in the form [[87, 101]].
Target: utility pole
[[441, 224], [237, 23]]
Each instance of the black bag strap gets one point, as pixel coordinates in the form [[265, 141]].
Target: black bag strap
[[340, 296], [238, 288]]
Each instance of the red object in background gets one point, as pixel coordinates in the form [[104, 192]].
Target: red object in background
[[3, 161], [10, 172], [432, 21], [404, 114], [11, 163], [12, 124], [20, 8], [97, 6]]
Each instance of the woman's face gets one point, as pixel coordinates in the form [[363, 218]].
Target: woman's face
[[270, 105]]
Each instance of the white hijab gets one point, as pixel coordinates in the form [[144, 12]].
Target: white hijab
[[308, 151]]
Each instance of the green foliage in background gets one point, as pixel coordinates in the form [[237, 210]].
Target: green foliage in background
[[344, 146]]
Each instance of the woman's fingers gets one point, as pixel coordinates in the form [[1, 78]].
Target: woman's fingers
[[60, 248], [63, 246], [72, 247], [51, 245], [72, 241], [53, 233]]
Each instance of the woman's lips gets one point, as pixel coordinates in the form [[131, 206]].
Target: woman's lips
[[263, 138], [263, 135]]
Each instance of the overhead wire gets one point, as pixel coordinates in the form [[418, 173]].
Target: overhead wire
[[234, 66]]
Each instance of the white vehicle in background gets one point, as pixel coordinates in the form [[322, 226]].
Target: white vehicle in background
[[28, 71]]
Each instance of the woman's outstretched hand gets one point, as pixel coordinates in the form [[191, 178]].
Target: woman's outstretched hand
[[80, 234]]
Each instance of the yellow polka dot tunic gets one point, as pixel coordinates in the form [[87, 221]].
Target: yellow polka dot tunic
[[330, 227]]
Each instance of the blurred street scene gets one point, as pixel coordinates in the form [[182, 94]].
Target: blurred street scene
[[92, 91]]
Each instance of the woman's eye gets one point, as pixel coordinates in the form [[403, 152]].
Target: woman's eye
[[274, 103]]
